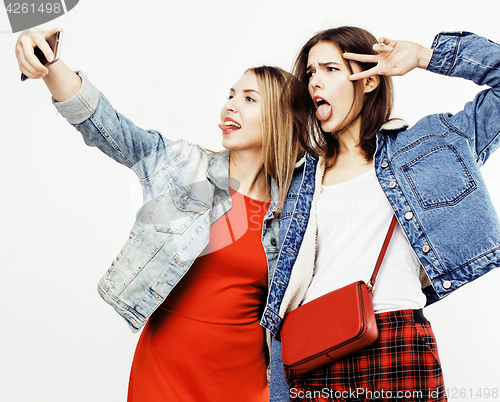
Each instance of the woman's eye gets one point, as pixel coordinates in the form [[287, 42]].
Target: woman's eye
[[332, 68], [310, 74], [249, 99], [230, 97]]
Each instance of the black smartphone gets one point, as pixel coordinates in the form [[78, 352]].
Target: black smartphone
[[54, 42]]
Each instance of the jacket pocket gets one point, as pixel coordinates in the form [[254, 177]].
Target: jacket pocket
[[173, 210], [439, 177]]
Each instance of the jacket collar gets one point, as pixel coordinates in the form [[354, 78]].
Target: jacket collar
[[307, 158], [394, 125], [218, 170]]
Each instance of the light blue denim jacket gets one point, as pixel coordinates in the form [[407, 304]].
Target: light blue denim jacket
[[185, 190], [430, 175]]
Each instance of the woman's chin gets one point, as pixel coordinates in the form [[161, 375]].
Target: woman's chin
[[328, 126]]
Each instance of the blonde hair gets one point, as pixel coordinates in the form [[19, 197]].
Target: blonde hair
[[280, 141]]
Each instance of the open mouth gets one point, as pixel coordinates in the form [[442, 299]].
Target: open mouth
[[323, 109], [229, 125], [320, 101]]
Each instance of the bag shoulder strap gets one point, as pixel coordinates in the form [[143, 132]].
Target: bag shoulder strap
[[392, 226]]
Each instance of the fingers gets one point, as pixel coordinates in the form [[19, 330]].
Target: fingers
[[363, 58], [26, 43], [28, 62], [371, 58], [44, 46], [24, 66], [384, 40], [365, 74], [382, 47]]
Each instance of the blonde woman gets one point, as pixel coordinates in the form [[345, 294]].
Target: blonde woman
[[196, 267]]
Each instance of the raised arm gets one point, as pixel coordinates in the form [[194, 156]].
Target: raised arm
[[90, 112], [61, 81], [453, 54]]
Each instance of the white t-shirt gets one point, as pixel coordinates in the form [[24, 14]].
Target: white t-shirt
[[353, 219]]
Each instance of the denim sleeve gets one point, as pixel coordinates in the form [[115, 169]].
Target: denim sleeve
[[466, 55], [101, 126]]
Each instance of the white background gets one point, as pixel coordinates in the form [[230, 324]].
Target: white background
[[66, 209]]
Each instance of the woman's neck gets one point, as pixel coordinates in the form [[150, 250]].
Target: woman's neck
[[350, 161], [349, 139], [249, 171]]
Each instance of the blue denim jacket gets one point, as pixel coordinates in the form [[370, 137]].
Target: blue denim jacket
[[430, 175], [185, 190]]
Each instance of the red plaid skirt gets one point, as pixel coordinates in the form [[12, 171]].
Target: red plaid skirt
[[402, 365]]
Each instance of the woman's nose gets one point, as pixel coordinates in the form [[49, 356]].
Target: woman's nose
[[315, 81], [230, 105]]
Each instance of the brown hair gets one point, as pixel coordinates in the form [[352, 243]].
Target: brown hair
[[377, 104], [280, 138]]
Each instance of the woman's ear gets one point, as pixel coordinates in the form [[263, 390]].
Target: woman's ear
[[371, 83]]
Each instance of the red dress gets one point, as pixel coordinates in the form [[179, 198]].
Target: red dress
[[205, 342]]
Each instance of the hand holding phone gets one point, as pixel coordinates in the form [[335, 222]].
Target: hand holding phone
[[26, 51]]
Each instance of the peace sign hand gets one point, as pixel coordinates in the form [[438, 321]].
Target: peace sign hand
[[393, 58]]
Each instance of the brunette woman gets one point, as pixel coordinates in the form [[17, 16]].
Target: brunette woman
[[363, 168]]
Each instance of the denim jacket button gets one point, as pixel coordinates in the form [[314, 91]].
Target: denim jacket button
[[426, 248], [409, 216], [183, 200], [273, 241], [384, 165], [392, 184], [446, 284]]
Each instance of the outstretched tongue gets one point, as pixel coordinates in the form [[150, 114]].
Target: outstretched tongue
[[324, 112], [227, 127]]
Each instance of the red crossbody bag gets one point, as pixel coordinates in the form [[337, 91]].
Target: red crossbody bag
[[333, 325]]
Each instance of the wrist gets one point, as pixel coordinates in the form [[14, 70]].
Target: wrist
[[424, 57]]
